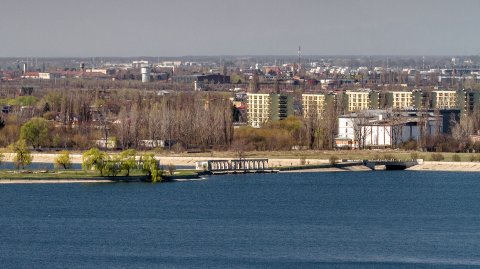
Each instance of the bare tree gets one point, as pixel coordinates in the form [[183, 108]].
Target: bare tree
[[361, 129]]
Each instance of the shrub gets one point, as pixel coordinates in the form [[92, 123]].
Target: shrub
[[475, 158], [410, 145], [80, 141], [333, 160], [387, 156], [63, 160], [456, 158], [436, 157], [414, 155], [303, 160], [49, 115], [177, 148], [171, 169]]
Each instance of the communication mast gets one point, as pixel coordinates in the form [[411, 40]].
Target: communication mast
[[299, 58]]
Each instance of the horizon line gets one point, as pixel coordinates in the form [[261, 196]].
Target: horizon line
[[250, 55]]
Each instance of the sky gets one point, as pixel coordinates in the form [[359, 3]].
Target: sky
[[169, 28]]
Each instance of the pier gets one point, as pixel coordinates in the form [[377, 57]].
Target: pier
[[235, 166]]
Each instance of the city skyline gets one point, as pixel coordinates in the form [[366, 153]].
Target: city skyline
[[53, 28]]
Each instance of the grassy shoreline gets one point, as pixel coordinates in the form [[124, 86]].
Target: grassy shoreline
[[325, 155], [91, 176], [292, 156], [295, 161]]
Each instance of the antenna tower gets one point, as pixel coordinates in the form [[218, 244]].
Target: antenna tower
[[299, 56]]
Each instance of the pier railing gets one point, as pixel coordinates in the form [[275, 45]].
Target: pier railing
[[235, 165]]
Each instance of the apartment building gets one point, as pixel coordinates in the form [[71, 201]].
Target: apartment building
[[264, 107], [313, 104], [421, 100], [377, 100], [468, 101], [357, 100], [443, 99], [399, 99]]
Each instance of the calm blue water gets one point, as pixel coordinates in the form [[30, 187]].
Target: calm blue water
[[348, 220], [36, 166]]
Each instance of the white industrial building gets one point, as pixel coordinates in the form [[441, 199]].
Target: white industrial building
[[374, 130]]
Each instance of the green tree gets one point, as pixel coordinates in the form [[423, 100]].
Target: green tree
[[35, 132], [128, 160], [151, 167], [96, 159], [63, 160], [23, 157], [112, 166]]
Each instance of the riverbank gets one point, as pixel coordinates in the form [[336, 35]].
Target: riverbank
[[359, 168], [447, 166], [53, 181], [84, 176], [284, 165], [276, 158], [51, 177], [175, 160], [424, 166]]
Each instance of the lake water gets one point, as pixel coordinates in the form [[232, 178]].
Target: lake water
[[381, 219], [36, 166]]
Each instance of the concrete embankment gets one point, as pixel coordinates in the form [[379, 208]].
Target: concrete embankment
[[329, 169], [447, 166], [275, 162], [164, 160]]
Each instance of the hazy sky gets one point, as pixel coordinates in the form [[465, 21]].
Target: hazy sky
[[240, 27]]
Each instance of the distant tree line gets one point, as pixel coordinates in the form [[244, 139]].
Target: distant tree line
[[76, 119], [80, 118]]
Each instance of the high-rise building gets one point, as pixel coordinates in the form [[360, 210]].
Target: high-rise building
[[264, 107]]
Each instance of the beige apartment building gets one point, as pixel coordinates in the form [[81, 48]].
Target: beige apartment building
[[264, 107], [357, 100], [399, 100], [444, 99], [313, 104]]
